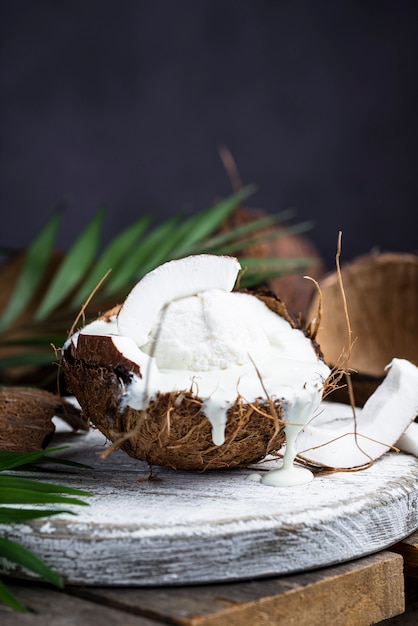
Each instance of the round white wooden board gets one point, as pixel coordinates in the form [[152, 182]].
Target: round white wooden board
[[189, 527]]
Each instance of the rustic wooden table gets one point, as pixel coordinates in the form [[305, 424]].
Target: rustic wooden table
[[371, 590]]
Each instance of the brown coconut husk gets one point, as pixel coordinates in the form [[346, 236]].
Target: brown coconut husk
[[173, 431], [26, 418], [381, 291]]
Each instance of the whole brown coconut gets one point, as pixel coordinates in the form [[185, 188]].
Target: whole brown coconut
[[101, 367], [381, 291]]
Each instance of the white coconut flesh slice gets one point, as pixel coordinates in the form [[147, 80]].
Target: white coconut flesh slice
[[335, 439], [170, 281], [408, 441], [186, 330]]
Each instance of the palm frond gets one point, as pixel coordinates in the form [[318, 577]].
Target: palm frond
[[36, 261], [112, 258], [73, 268], [269, 268], [220, 240], [146, 255], [257, 238], [22, 493], [7, 597], [32, 460]]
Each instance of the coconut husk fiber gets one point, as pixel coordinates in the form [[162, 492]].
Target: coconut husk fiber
[[381, 291]]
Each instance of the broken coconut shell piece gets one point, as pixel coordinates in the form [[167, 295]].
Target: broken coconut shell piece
[[192, 375], [381, 293]]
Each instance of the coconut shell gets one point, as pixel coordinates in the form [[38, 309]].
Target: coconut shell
[[173, 431], [26, 417], [381, 291]]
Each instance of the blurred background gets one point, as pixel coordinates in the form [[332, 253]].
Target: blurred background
[[127, 104]]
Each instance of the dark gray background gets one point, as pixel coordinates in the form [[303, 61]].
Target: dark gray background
[[127, 102]]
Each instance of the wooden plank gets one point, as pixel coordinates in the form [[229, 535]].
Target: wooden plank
[[408, 548], [410, 617], [50, 607], [190, 527], [360, 593]]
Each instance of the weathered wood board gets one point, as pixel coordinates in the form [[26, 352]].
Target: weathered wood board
[[363, 592], [184, 528]]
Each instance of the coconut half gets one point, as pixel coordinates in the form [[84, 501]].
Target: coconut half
[[408, 441], [192, 375]]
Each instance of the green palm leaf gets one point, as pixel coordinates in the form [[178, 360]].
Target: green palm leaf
[[73, 268], [111, 259], [11, 495], [11, 515], [12, 460], [193, 232], [15, 553], [221, 240], [148, 252], [8, 598], [236, 246], [28, 358], [15, 483], [36, 261], [30, 460], [262, 270], [21, 492]]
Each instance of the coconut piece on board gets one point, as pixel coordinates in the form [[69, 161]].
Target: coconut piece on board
[[340, 440], [381, 293]]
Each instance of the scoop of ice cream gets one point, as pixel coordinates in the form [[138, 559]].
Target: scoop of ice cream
[[210, 330]]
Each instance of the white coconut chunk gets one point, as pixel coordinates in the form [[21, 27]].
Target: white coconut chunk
[[215, 329], [341, 442], [211, 330], [171, 281], [408, 441]]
